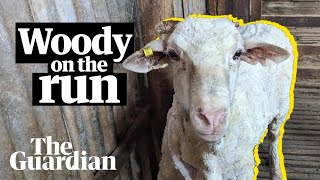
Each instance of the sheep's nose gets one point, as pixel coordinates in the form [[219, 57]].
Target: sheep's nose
[[212, 119]]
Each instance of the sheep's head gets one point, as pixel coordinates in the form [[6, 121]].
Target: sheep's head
[[206, 55]]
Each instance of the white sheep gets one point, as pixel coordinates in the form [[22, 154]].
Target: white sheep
[[231, 84]]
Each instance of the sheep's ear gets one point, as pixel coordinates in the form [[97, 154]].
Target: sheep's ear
[[150, 57], [261, 52]]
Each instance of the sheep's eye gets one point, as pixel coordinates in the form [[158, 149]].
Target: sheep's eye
[[173, 55], [237, 55]]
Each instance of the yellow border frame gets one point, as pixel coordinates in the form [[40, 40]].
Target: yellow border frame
[[293, 82]]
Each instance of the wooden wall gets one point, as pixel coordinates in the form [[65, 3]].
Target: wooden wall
[[301, 146], [99, 130]]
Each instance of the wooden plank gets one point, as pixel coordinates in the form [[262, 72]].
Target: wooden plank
[[288, 147], [300, 101], [294, 163], [276, 0], [297, 122], [291, 4], [297, 163], [309, 83], [120, 152], [308, 61], [312, 30], [241, 9], [302, 143], [294, 20], [255, 6], [300, 176], [212, 7], [306, 98], [294, 151], [301, 127], [310, 113], [149, 14], [145, 158], [291, 8], [177, 8], [301, 158], [263, 175], [298, 137], [194, 7], [310, 50], [306, 107], [315, 116], [225, 7], [262, 178], [303, 0], [302, 97], [307, 120], [291, 176], [310, 73], [219, 7], [311, 106], [306, 86], [149, 17], [294, 170], [308, 92], [308, 39], [265, 157]]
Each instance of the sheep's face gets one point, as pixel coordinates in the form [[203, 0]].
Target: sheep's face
[[205, 54], [205, 71]]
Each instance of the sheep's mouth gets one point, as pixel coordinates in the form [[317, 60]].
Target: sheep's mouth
[[212, 137], [211, 133]]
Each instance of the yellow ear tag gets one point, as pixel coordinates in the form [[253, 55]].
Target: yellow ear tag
[[147, 51]]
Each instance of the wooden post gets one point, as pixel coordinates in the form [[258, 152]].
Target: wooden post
[[255, 6], [135, 131], [241, 9]]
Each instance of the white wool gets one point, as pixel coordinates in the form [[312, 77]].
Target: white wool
[[261, 94], [180, 166]]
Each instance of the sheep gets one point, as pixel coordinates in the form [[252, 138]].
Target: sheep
[[231, 84]]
